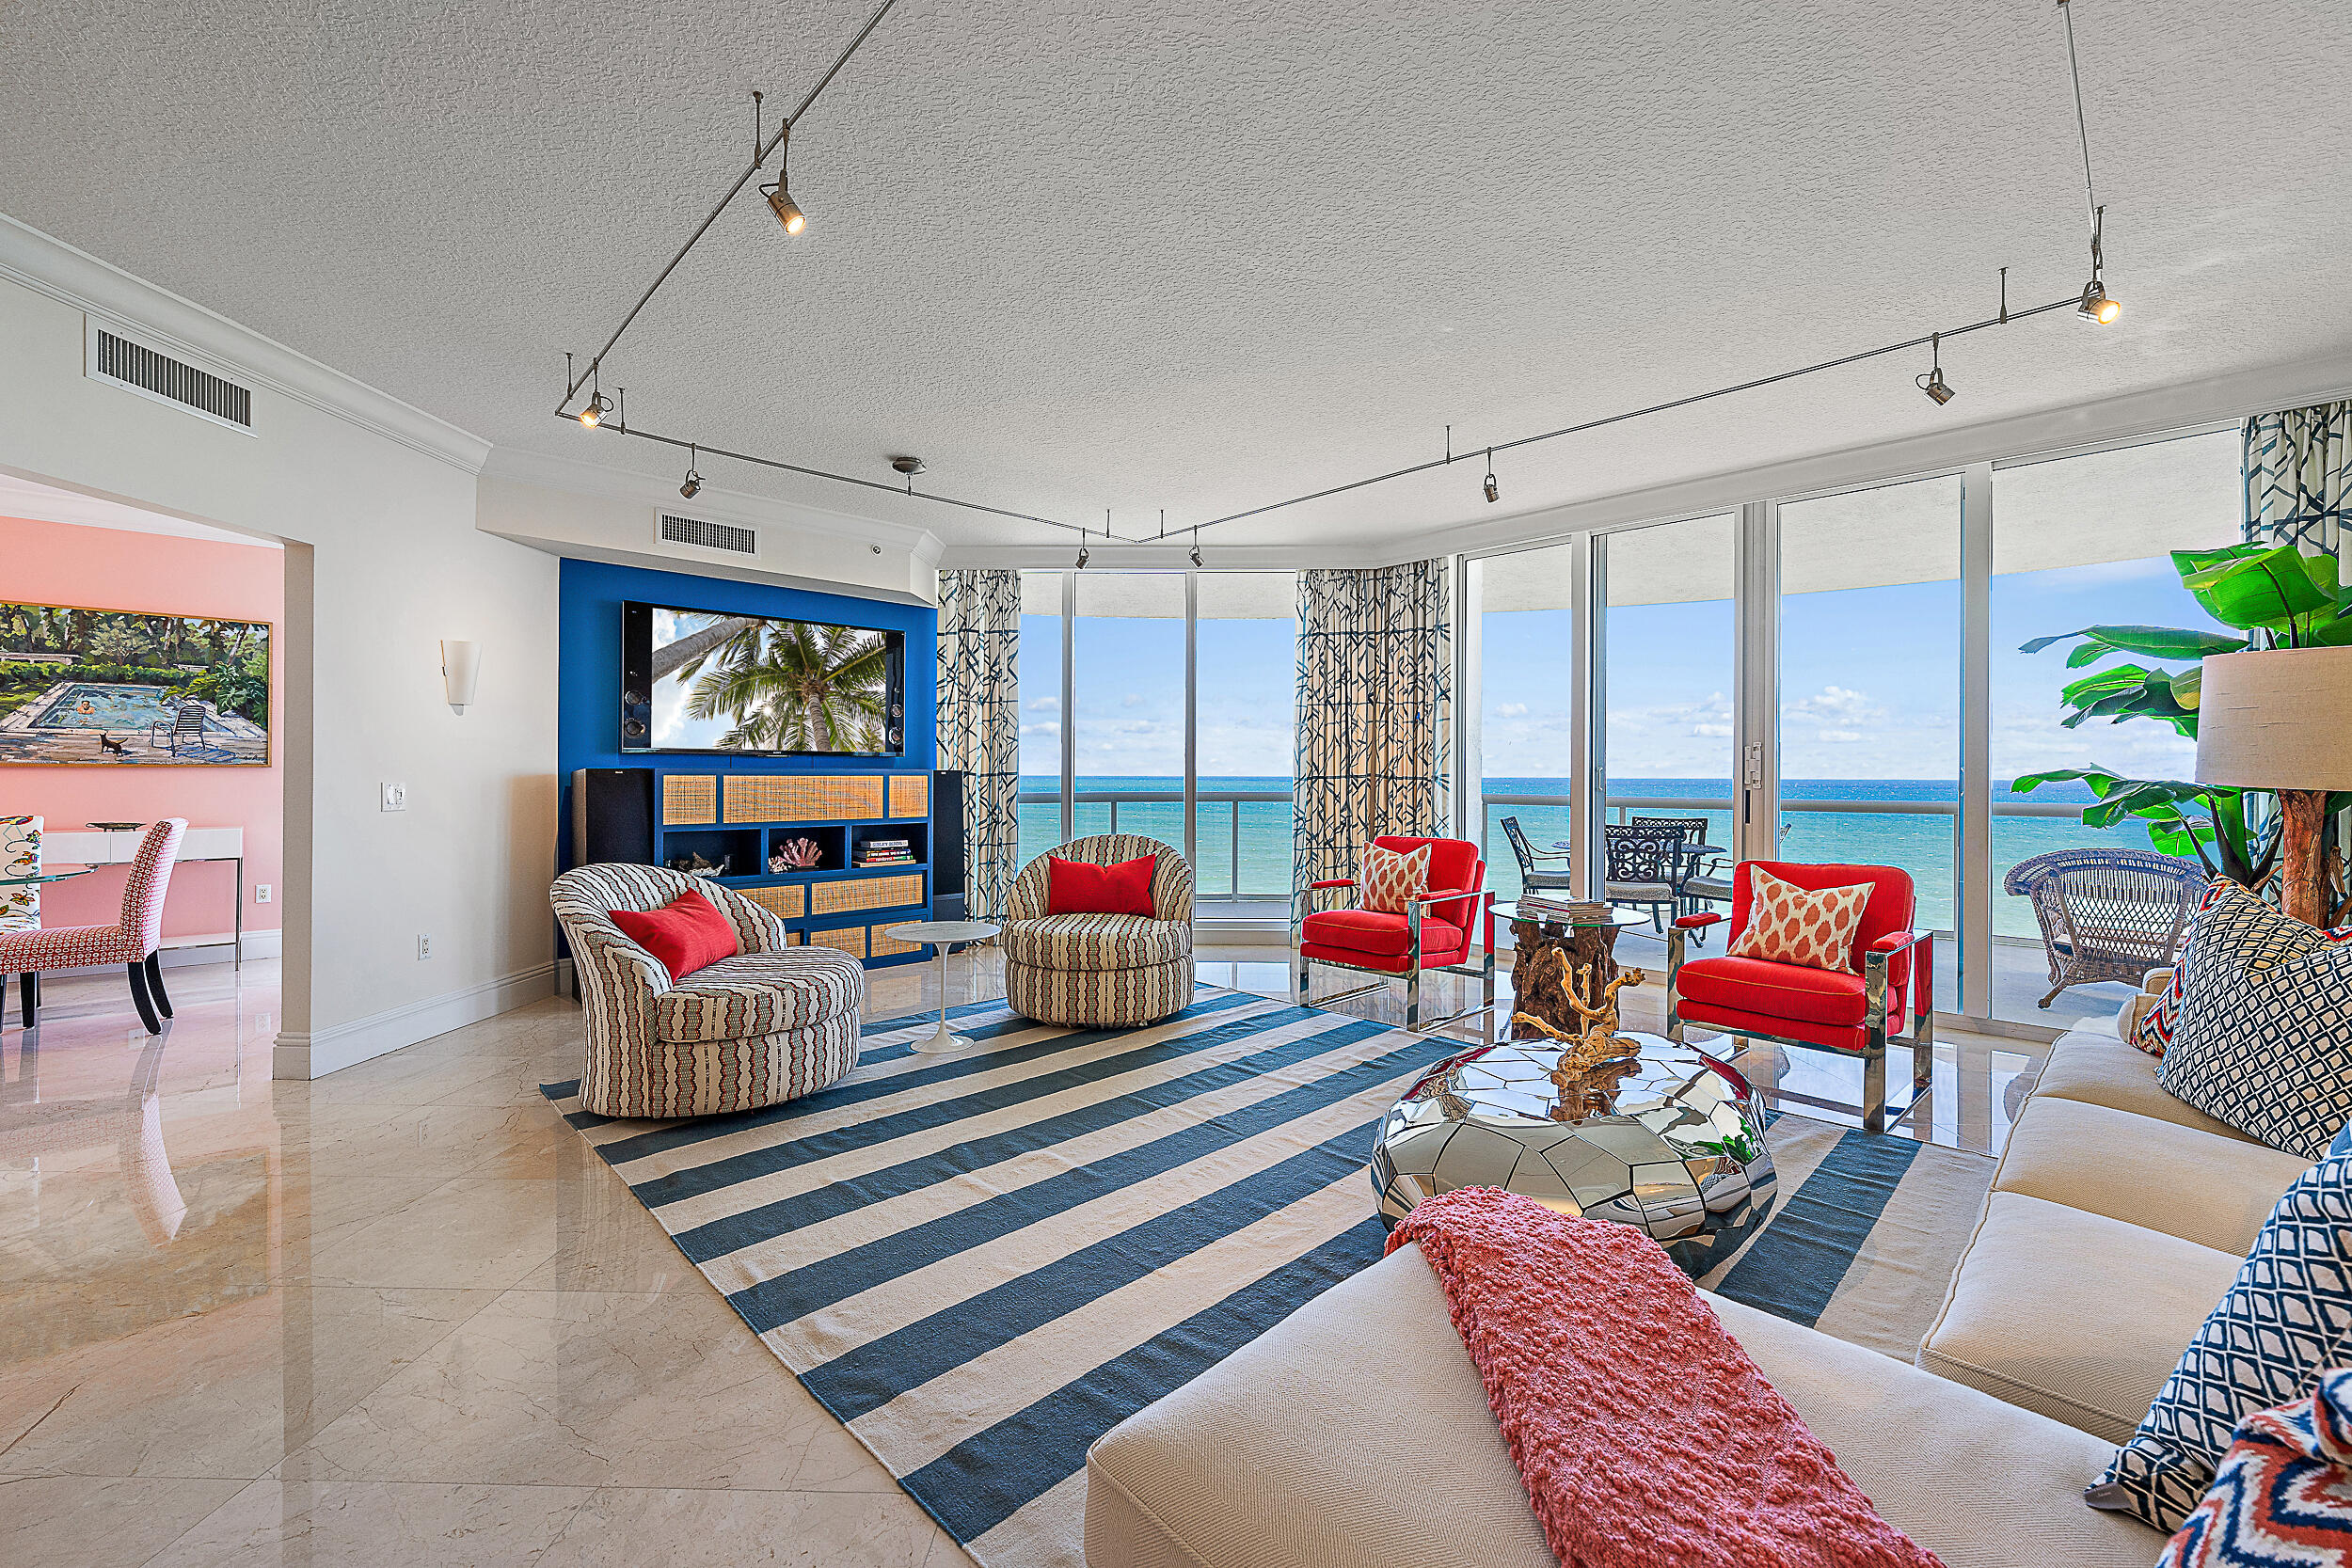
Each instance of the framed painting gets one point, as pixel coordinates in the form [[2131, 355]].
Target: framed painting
[[120, 688]]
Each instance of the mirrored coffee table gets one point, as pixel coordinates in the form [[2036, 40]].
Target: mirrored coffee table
[[1664, 1138]]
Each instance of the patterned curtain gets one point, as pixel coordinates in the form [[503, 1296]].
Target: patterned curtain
[[2298, 481], [1375, 711], [979, 723]]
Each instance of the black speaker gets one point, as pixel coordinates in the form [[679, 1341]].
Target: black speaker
[[612, 815], [636, 718], [948, 868]]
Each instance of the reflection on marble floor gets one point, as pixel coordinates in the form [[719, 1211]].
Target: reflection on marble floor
[[399, 1316]]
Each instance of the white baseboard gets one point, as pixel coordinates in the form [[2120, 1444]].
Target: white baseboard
[[340, 1045], [188, 952]]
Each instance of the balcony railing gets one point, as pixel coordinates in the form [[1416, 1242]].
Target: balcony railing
[[1170, 826]]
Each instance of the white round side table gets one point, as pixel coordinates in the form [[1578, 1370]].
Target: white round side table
[[942, 934]]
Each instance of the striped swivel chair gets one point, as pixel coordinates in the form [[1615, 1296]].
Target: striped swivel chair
[[1101, 970], [771, 1024]]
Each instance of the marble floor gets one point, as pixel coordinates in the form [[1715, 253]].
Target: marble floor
[[399, 1316]]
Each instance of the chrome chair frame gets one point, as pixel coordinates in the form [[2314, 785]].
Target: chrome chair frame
[[1875, 1037], [1302, 905]]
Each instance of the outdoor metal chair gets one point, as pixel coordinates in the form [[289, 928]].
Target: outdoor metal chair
[[2108, 914], [1531, 877], [187, 729], [1640, 869], [1696, 884]]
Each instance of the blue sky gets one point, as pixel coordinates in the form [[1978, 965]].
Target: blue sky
[[1869, 686]]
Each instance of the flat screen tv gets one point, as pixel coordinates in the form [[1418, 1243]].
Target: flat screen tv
[[713, 681]]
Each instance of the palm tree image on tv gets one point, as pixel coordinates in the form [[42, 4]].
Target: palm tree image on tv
[[782, 685]]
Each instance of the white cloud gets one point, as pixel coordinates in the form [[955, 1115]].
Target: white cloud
[[1710, 729], [1133, 699], [1839, 737], [1511, 710], [1835, 702], [1044, 704]]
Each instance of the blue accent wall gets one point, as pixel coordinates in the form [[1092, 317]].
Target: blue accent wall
[[588, 688]]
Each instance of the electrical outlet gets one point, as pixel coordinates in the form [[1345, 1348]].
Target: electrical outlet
[[395, 797], [260, 893], [424, 946]]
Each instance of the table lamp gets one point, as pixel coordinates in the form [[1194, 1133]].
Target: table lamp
[[2282, 719]]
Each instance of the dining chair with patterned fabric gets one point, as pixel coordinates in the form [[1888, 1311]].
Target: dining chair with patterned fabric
[[19, 856], [131, 942]]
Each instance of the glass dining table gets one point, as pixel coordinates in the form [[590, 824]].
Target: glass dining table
[[40, 877]]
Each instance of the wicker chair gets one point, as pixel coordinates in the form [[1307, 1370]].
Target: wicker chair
[[2108, 914], [772, 1023], [1101, 970]]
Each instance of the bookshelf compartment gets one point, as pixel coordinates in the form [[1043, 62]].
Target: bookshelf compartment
[[689, 799], [733, 851], [832, 850], [866, 893], [889, 844], [802, 797]]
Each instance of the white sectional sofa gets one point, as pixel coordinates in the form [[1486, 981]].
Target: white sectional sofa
[[1355, 1434]]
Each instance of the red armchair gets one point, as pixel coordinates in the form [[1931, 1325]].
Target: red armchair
[[1889, 976], [1451, 928]]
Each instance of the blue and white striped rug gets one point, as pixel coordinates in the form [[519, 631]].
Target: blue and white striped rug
[[981, 1262]]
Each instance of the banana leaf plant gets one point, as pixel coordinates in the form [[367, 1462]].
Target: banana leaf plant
[[2269, 596]]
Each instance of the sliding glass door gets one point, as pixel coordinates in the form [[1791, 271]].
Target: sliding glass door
[[1527, 631], [1040, 672], [1870, 690], [1128, 685]]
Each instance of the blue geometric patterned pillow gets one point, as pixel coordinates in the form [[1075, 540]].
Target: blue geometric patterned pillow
[[2263, 1040], [2286, 1319]]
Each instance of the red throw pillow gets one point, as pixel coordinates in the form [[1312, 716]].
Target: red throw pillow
[[1075, 887], [687, 935]]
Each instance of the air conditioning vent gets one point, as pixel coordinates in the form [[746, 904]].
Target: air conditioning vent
[[708, 535], [141, 369]]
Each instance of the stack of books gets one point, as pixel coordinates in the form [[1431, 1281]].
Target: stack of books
[[885, 851], [1545, 906]]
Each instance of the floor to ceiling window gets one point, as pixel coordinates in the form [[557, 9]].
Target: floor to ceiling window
[[1666, 679], [1131, 746], [1040, 671], [2080, 542], [1870, 689], [1246, 656], [1527, 628]]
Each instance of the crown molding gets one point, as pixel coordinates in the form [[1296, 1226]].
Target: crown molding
[[712, 502], [156, 316]]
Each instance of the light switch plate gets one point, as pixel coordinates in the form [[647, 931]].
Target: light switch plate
[[395, 797]]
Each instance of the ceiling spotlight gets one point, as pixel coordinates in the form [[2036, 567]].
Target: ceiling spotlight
[[1196, 547], [592, 413], [2098, 307], [693, 481], [1939, 390], [1494, 491], [779, 194], [1082, 550]]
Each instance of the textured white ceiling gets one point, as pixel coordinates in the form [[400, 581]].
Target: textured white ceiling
[[1201, 256]]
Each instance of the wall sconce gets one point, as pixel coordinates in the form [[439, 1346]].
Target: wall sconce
[[461, 663]]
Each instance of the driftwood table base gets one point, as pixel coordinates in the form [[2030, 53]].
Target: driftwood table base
[[1547, 960]]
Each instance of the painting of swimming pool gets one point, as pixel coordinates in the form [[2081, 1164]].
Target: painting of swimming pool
[[129, 688]]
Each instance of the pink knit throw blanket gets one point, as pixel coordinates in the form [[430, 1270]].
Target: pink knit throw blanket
[[1646, 1437]]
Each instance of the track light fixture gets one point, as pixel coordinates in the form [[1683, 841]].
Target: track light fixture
[[1082, 550], [1494, 491], [591, 413], [1196, 547], [1939, 390], [779, 194], [2097, 306], [693, 481]]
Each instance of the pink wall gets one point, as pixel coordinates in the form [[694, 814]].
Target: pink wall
[[108, 569]]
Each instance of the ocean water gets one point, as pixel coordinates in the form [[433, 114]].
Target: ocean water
[[1250, 855]]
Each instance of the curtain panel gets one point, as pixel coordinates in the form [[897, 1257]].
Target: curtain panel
[[2298, 481], [980, 724], [1375, 712]]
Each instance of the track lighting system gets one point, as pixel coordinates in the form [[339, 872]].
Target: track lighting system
[[1939, 392], [2093, 304], [693, 481]]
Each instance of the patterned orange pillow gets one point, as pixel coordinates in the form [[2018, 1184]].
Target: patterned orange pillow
[[1392, 878], [1790, 924]]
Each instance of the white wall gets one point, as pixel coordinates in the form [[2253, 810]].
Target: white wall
[[377, 503]]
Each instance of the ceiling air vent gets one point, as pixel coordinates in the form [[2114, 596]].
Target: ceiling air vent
[[708, 536], [142, 370]]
